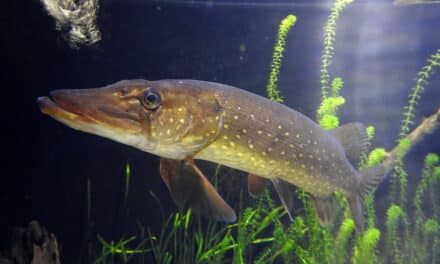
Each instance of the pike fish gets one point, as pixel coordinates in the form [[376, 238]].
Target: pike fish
[[186, 120]]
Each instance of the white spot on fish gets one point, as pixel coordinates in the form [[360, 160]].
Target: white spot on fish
[[225, 137], [251, 146], [244, 130], [297, 135], [286, 134], [280, 127], [259, 132], [226, 126], [252, 116], [171, 120], [283, 153], [180, 109], [235, 117], [276, 139], [182, 120], [231, 143], [237, 136]]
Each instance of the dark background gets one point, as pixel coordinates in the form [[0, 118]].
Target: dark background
[[45, 165]]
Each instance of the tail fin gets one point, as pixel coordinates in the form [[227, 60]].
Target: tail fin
[[369, 179]]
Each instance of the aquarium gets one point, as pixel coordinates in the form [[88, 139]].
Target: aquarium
[[248, 131]]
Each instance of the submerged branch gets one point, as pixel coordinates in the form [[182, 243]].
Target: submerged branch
[[428, 126]]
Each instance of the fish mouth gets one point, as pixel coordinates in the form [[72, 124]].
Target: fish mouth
[[82, 108], [61, 110]]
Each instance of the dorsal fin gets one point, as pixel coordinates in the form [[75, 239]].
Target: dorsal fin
[[190, 188], [353, 138], [256, 185]]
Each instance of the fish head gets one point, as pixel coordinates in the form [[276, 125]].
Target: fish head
[[170, 119]]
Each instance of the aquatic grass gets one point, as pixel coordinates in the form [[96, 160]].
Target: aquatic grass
[[400, 175], [366, 247], [431, 160], [422, 80], [346, 231], [395, 217], [115, 252], [329, 42], [272, 90], [327, 112], [127, 181]]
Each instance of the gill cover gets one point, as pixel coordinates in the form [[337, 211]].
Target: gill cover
[[188, 119]]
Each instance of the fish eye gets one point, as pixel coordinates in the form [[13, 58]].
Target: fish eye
[[151, 100]]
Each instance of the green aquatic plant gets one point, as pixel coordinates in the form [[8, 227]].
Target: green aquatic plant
[[327, 111], [422, 80], [272, 90], [370, 132], [376, 156], [408, 119], [127, 181], [394, 217], [329, 40], [365, 249], [431, 160], [111, 252], [343, 237]]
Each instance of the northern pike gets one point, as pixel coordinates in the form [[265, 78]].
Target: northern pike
[[184, 120]]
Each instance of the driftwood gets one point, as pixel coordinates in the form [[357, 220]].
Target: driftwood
[[428, 126], [32, 244]]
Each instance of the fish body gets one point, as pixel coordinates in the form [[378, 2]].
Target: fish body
[[271, 140], [189, 119]]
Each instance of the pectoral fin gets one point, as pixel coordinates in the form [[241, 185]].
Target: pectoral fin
[[256, 185], [190, 188], [284, 191]]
